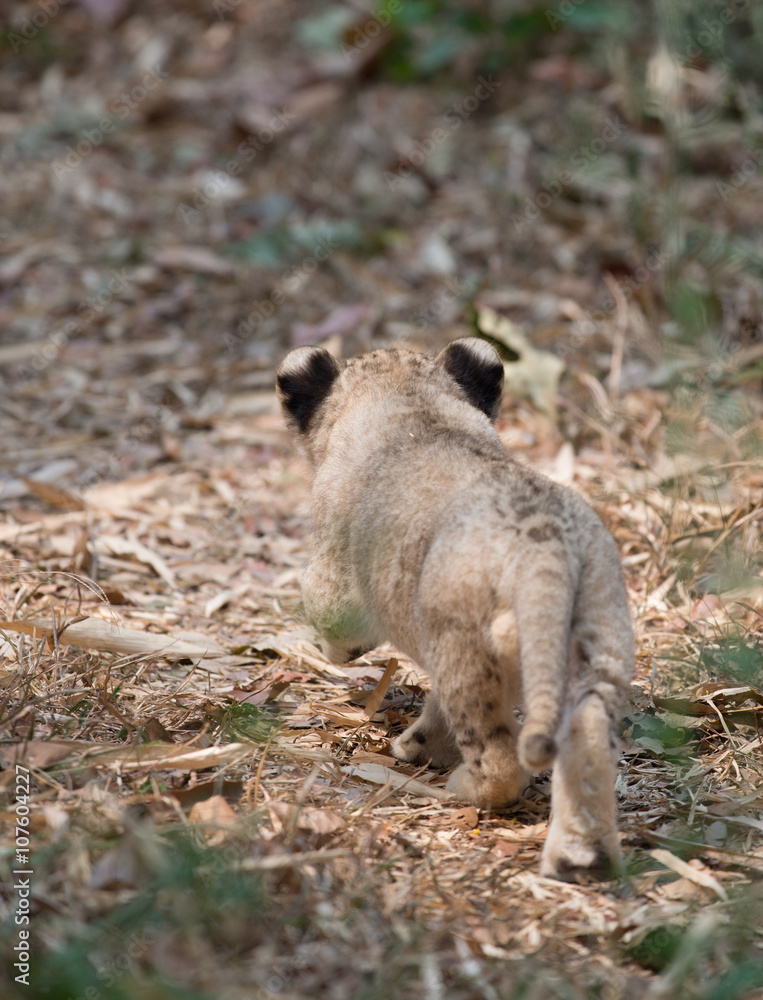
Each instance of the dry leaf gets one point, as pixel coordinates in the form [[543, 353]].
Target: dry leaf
[[275, 861], [172, 759], [699, 875], [298, 643], [341, 715], [119, 546], [213, 811], [53, 494], [466, 818], [373, 703], [505, 848], [312, 101], [536, 832], [320, 821], [535, 374], [215, 815], [109, 496], [94, 633], [225, 597], [190, 258], [366, 757], [203, 790], [154, 732], [49, 523], [682, 888], [117, 869], [378, 774], [40, 754]]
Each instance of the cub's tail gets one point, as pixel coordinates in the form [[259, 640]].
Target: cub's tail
[[542, 677], [543, 597], [543, 662], [537, 750]]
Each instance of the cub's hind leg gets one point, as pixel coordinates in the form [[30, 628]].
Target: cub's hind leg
[[477, 693], [582, 835], [429, 740], [583, 832]]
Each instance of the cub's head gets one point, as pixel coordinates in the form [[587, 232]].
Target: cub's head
[[468, 368]]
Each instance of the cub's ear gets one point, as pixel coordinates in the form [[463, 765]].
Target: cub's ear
[[303, 382], [474, 365]]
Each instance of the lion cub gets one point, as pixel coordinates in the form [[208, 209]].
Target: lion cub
[[503, 585]]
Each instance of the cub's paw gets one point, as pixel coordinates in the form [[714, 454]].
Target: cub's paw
[[574, 860], [422, 745], [488, 791]]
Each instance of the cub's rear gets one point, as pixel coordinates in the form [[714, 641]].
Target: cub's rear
[[504, 586]]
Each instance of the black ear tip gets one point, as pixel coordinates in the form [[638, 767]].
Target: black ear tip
[[306, 359], [479, 349], [476, 367], [304, 380], [474, 354]]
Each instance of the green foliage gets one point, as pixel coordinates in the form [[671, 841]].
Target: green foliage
[[38, 52], [713, 958], [287, 244], [658, 948], [593, 16], [430, 34], [694, 310], [186, 889], [251, 723], [738, 983], [658, 737], [325, 30], [734, 657]]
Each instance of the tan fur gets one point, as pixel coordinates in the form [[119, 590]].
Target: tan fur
[[504, 586]]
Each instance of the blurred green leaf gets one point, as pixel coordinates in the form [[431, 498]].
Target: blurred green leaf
[[325, 30], [281, 244], [253, 723], [437, 52], [735, 658], [658, 948], [695, 310], [604, 17]]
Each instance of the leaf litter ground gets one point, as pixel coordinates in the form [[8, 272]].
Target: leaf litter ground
[[214, 811], [193, 700]]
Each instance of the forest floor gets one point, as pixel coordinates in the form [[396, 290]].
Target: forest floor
[[206, 807]]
